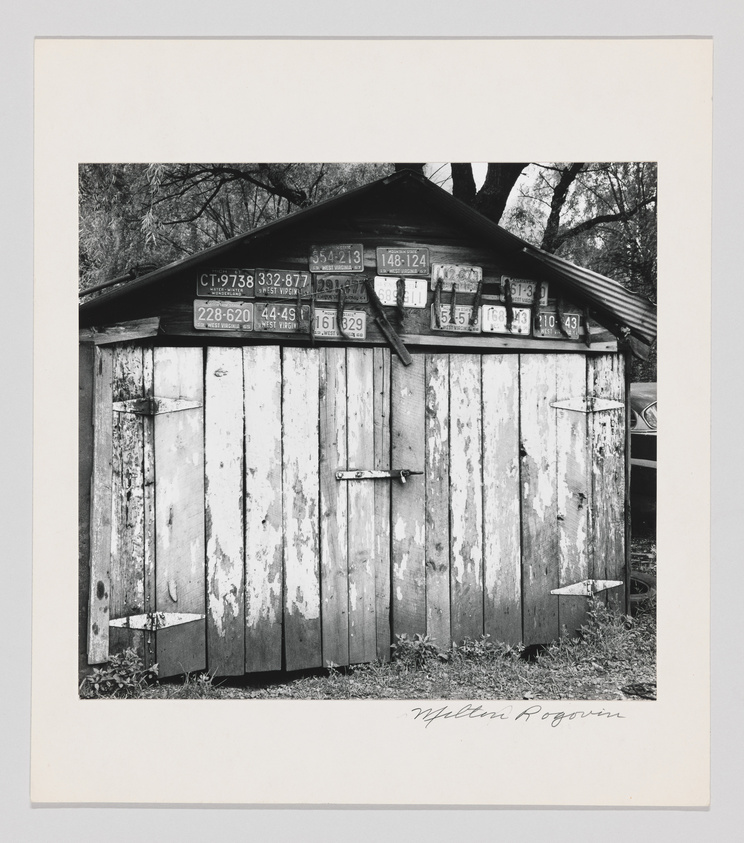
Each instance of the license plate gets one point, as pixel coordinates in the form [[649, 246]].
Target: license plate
[[223, 315], [227, 283], [403, 261], [465, 277], [327, 287], [387, 291], [494, 320], [279, 317], [282, 282], [523, 292], [460, 322], [337, 257], [354, 324], [547, 325]]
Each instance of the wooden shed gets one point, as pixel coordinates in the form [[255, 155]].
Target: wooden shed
[[380, 415]]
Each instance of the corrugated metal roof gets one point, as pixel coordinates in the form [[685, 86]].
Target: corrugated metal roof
[[607, 296]]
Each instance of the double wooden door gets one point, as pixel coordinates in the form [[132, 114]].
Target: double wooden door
[[233, 545]]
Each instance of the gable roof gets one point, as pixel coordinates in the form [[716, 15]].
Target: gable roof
[[625, 308]]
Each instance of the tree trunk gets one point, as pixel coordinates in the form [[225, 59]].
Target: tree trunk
[[491, 199], [550, 240]]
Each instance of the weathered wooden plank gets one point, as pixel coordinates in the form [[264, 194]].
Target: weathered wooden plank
[[86, 445], [223, 485], [262, 370], [539, 507], [122, 332], [300, 439], [148, 476], [502, 555], [334, 570], [573, 488], [360, 435], [605, 379], [408, 499], [466, 497], [437, 478], [101, 510], [128, 514], [179, 501], [382, 499]]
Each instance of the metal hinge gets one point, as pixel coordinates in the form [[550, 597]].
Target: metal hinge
[[153, 406], [586, 588], [588, 405], [155, 620], [365, 474]]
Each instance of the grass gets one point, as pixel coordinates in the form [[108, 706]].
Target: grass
[[613, 658]]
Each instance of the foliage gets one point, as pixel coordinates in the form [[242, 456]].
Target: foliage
[[138, 215], [124, 675], [483, 649], [611, 655], [413, 653], [196, 686]]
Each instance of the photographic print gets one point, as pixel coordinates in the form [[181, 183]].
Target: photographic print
[[368, 431], [358, 446]]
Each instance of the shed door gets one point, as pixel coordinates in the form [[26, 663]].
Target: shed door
[[147, 524], [234, 546]]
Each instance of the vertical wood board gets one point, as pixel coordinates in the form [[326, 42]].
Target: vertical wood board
[[128, 512], [300, 390], [438, 619], [223, 487], [334, 571], [466, 496], [100, 521], [382, 499], [148, 476], [408, 499], [179, 500], [262, 370], [86, 444], [605, 379], [360, 434], [502, 563], [573, 489], [539, 506]]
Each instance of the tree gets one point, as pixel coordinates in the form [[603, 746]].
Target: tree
[[136, 216]]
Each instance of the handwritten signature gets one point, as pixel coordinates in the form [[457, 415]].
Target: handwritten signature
[[507, 712]]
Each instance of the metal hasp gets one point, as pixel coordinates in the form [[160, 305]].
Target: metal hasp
[[365, 474], [586, 588]]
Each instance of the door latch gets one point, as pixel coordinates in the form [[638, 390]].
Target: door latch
[[367, 474]]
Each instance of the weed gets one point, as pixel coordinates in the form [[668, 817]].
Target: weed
[[414, 653], [124, 675]]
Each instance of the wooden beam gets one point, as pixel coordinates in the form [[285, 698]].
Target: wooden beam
[[137, 329]]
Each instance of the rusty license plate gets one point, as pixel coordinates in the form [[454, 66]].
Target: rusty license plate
[[466, 278], [279, 317], [523, 292], [327, 288], [229, 283], [493, 317], [460, 322], [403, 261], [415, 291], [354, 324], [337, 257], [546, 324], [220, 315], [275, 283]]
